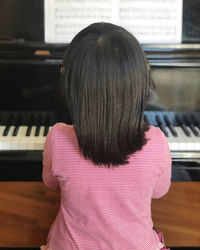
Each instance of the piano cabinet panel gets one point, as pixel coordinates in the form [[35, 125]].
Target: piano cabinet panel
[[177, 214], [27, 209]]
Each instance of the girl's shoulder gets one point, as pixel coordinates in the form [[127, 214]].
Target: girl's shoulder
[[61, 131], [154, 132], [61, 127], [155, 136]]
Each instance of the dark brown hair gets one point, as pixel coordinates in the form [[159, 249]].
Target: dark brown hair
[[107, 85]]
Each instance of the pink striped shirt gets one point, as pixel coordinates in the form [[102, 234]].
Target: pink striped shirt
[[102, 208]]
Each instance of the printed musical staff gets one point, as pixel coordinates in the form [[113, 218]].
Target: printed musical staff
[[151, 21]]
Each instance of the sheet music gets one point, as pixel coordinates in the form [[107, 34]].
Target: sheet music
[[151, 21]]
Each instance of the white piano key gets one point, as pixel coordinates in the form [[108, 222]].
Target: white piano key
[[182, 140], [2, 128], [197, 141], [23, 144], [40, 139], [173, 145], [7, 140], [191, 141], [19, 141]]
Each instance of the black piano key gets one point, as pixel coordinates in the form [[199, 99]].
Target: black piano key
[[182, 125], [146, 119], [6, 130], [189, 124], [38, 123], [30, 124], [195, 132], [9, 123], [161, 125], [47, 124], [37, 131], [173, 131], [28, 132], [185, 130], [46, 130], [195, 120], [18, 123], [15, 132], [169, 124]]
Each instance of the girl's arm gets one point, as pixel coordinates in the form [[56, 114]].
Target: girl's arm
[[48, 177], [164, 180]]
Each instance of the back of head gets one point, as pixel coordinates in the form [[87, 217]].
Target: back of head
[[107, 85]]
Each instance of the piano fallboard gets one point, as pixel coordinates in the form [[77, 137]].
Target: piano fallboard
[[27, 166]]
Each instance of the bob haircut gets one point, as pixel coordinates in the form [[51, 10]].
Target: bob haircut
[[107, 85]]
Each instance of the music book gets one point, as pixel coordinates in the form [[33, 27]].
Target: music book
[[150, 21]]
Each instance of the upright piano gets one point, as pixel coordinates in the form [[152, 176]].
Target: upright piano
[[30, 105], [30, 102]]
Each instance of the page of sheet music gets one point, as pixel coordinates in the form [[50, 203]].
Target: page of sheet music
[[151, 21]]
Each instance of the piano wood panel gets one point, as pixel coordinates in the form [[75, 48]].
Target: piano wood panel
[[27, 210], [177, 214]]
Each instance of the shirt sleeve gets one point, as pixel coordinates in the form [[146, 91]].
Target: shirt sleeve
[[164, 180], [48, 177]]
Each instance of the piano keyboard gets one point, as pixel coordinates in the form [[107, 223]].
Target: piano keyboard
[[182, 131], [21, 141], [24, 131]]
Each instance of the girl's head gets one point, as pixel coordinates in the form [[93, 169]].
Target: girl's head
[[107, 85]]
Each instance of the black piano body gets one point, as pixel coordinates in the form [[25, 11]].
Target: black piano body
[[30, 101], [30, 96], [30, 105]]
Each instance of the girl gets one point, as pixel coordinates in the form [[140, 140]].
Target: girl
[[109, 164]]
